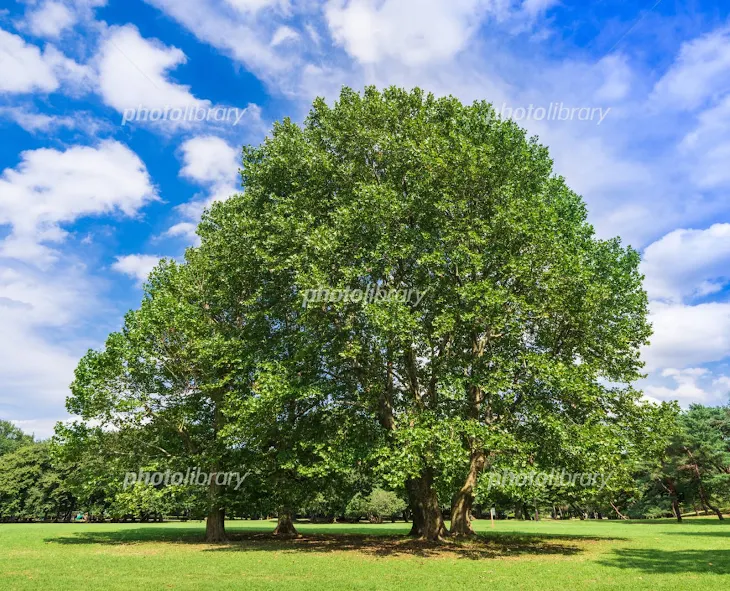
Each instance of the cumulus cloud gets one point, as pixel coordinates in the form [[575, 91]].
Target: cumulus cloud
[[43, 314], [688, 336], [694, 385], [418, 32], [137, 266], [412, 31], [27, 69], [212, 163], [50, 188], [688, 263], [134, 78], [134, 72], [700, 72], [33, 121], [50, 19], [209, 159], [24, 67]]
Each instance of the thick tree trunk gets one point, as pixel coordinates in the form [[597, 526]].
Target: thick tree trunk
[[464, 500], [428, 522], [215, 528], [285, 526]]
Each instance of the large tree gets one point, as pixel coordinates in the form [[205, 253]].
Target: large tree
[[526, 316]]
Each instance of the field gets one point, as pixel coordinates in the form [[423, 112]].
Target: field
[[650, 555]]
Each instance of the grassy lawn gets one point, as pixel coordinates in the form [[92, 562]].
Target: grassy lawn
[[568, 555]]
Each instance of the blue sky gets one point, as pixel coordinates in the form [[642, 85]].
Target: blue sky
[[93, 193]]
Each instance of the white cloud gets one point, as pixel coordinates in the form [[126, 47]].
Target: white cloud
[[248, 6], [284, 34], [133, 73], [244, 34], [419, 32], [700, 73], [50, 188], [618, 77], [707, 147], [42, 315], [24, 67], [537, 7], [184, 230], [212, 163], [694, 385], [414, 32], [134, 78], [687, 263], [209, 159], [688, 336], [32, 121], [137, 266], [50, 19]]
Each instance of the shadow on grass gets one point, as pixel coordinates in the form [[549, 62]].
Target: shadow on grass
[[712, 534], [670, 562], [494, 545], [704, 521]]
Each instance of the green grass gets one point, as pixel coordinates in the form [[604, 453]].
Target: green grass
[[564, 555]]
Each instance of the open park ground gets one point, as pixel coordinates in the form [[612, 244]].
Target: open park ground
[[651, 555]]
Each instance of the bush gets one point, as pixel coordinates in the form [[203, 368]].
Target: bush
[[378, 505]]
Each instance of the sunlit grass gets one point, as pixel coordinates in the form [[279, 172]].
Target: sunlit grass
[[659, 554]]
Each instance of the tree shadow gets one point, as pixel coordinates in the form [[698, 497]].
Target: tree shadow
[[712, 534], [703, 521], [495, 545], [654, 561]]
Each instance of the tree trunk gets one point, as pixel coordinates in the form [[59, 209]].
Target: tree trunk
[[526, 512], [716, 511], [615, 508], [704, 497], [675, 509], [215, 528], [428, 522], [672, 490], [461, 508], [285, 526]]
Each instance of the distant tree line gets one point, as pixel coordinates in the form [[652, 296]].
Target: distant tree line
[[690, 475]]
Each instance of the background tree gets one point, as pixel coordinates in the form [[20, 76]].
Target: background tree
[[163, 383], [11, 437], [32, 487]]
